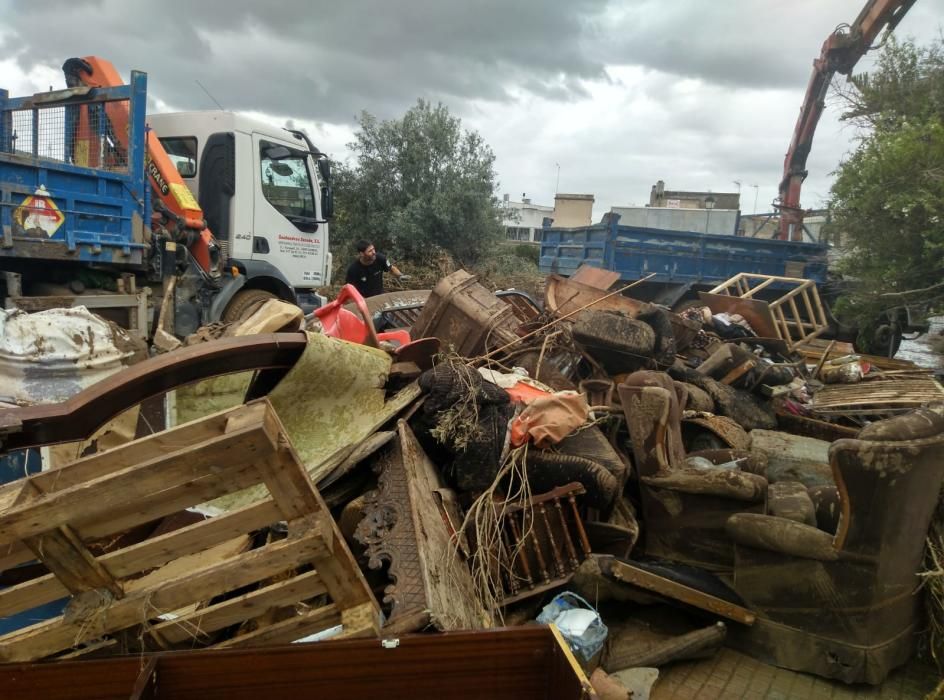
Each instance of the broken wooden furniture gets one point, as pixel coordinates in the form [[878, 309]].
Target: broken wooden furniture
[[522, 663], [846, 605], [680, 584], [184, 587], [410, 524], [81, 415], [544, 543], [875, 399], [797, 316], [684, 508], [466, 316]]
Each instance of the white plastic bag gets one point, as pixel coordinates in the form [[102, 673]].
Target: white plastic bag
[[578, 621]]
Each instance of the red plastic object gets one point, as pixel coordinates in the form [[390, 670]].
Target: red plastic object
[[338, 322]]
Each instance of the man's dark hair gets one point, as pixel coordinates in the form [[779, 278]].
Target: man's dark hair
[[362, 245]]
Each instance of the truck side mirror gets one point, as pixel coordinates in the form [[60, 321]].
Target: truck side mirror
[[327, 202], [324, 168]]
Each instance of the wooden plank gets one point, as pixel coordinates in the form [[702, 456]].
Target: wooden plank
[[287, 631], [245, 607], [148, 554], [595, 277], [142, 450], [67, 631], [627, 573], [198, 491], [183, 564], [523, 663], [63, 553], [145, 687], [97, 497], [343, 578]]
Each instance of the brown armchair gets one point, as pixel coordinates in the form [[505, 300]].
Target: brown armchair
[[684, 508], [846, 605]]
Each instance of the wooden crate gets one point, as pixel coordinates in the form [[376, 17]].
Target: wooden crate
[[158, 588], [796, 317]]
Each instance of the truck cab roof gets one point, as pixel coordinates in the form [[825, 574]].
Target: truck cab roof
[[202, 123]]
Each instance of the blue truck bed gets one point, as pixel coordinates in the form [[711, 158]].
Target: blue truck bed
[[677, 257], [64, 195]]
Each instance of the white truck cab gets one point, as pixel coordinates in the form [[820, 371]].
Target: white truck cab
[[265, 193]]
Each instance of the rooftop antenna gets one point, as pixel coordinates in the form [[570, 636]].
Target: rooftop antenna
[[208, 94]]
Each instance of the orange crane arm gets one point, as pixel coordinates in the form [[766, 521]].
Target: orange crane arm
[[166, 184], [840, 53]]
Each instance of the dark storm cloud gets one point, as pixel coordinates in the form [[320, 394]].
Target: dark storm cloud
[[738, 43], [326, 60]]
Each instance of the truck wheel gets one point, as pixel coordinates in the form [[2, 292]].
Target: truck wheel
[[880, 337], [244, 304]]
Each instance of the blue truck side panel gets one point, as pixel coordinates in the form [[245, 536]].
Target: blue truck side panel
[[676, 256], [105, 210]]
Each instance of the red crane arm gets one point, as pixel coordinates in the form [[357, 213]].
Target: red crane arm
[[840, 53]]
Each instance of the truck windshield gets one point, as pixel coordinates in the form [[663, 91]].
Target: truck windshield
[[286, 182]]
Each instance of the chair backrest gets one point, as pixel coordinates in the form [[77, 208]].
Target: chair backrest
[[888, 491], [653, 413]]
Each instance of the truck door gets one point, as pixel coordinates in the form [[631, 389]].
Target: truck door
[[287, 212]]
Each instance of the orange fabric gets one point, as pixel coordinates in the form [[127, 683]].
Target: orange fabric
[[547, 421]]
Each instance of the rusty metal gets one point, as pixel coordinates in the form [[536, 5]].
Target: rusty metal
[[84, 413]]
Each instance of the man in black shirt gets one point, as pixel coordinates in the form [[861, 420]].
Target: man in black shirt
[[366, 273]]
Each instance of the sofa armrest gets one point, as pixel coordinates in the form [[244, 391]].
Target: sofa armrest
[[781, 535], [726, 483]]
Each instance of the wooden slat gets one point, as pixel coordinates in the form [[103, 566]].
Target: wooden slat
[[64, 632], [63, 553], [201, 623], [677, 591], [288, 630], [111, 461], [148, 554], [97, 497]]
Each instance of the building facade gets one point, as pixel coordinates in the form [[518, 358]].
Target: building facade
[[683, 199], [572, 210], [523, 221]]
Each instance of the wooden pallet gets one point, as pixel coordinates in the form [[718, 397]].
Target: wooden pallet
[[878, 398], [158, 588]]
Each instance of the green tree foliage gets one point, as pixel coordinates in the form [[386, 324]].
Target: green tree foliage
[[419, 185], [888, 197]]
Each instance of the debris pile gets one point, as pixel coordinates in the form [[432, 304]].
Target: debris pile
[[499, 461]]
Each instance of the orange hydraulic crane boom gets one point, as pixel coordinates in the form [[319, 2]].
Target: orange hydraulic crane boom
[[841, 51], [171, 195]]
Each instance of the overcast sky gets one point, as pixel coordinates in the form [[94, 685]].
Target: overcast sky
[[619, 94]]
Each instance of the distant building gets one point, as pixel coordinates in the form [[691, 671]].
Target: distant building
[[572, 210], [682, 199], [523, 220]]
